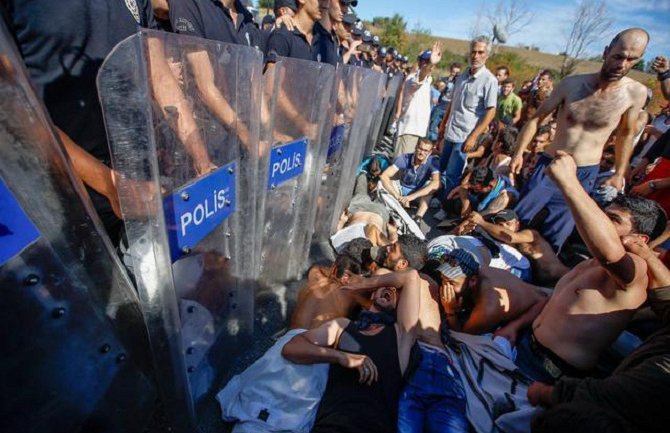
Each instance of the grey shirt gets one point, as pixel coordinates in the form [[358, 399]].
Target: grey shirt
[[473, 95]]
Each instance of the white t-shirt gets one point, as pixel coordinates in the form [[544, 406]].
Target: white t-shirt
[[508, 258], [415, 114]]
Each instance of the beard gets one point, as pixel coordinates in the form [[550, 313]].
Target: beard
[[386, 309], [609, 75]]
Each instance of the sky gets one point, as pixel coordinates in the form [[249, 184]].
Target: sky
[[455, 18]]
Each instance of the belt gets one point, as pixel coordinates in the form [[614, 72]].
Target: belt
[[553, 364]]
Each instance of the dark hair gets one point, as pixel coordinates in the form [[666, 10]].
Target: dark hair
[[413, 249], [481, 175], [548, 73], [648, 217], [507, 81], [345, 262], [544, 129], [503, 67], [579, 418], [456, 65], [507, 141], [359, 249], [425, 141]]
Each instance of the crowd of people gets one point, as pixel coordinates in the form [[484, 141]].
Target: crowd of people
[[509, 253]]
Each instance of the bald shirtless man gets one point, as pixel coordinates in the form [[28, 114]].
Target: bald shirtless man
[[594, 302], [591, 107]]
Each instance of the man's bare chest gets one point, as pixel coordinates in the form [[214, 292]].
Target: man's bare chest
[[595, 111]]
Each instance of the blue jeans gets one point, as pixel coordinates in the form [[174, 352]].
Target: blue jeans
[[433, 400], [452, 163]]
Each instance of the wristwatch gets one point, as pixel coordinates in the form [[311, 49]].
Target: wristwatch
[[652, 185], [664, 76]]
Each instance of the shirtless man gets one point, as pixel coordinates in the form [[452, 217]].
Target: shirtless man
[[593, 303], [364, 218], [591, 107], [368, 357], [323, 299], [478, 299], [506, 227]]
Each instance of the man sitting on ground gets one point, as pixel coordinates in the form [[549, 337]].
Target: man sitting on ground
[[592, 304], [482, 191], [419, 175], [506, 227]]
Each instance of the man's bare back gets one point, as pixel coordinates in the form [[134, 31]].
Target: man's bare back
[[547, 268], [586, 313], [589, 114], [322, 299]]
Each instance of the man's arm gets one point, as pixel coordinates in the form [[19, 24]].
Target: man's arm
[[624, 141], [511, 330], [661, 65], [594, 226], [482, 125], [501, 233], [385, 179], [530, 128], [427, 190], [316, 346]]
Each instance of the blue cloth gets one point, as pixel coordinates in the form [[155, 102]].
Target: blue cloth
[[540, 193], [452, 163], [415, 178], [530, 364], [433, 400], [504, 184]]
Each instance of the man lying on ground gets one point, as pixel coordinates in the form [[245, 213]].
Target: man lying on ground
[[478, 299], [506, 227], [592, 304], [367, 358], [364, 219]]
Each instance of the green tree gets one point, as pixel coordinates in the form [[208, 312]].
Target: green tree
[[268, 5], [639, 65], [394, 32]]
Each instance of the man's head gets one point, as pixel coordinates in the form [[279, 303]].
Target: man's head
[[546, 80], [624, 52], [424, 58], [542, 139], [423, 150], [482, 180], [637, 216], [332, 9], [408, 252], [455, 70], [440, 85], [285, 8], [384, 299], [508, 219], [507, 87], [345, 265], [502, 74], [459, 265], [480, 48], [359, 249], [506, 143], [268, 22], [309, 8]]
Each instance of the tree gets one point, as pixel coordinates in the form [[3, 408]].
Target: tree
[[267, 5], [639, 65], [512, 15], [394, 32], [590, 21]]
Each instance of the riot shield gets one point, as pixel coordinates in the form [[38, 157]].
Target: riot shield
[[357, 102], [182, 118], [294, 143], [74, 351], [383, 117]]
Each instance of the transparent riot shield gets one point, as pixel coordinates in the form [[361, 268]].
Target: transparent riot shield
[[182, 118], [357, 105], [295, 134], [384, 115], [74, 351]]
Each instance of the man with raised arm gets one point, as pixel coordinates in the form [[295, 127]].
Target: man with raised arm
[[593, 303], [368, 357], [591, 107]]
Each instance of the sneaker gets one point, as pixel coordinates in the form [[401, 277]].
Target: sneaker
[[440, 215]]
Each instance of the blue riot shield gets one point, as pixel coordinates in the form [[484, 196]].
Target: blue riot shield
[[182, 117], [74, 351]]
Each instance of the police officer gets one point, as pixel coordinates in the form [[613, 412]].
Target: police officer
[[325, 43], [296, 43]]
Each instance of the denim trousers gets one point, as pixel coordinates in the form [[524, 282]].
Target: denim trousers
[[452, 164], [433, 400]]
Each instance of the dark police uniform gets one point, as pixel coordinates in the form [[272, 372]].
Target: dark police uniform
[[210, 19], [63, 43], [324, 46], [289, 44]]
